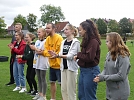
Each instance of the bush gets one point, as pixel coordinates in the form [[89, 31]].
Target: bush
[[5, 36]]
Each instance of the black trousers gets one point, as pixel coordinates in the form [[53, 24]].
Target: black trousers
[[11, 70], [30, 76]]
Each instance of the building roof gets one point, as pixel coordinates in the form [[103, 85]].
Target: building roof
[[11, 28], [131, 20], [60, 26]]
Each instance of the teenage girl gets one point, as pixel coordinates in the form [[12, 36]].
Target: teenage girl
[[69, 68], [40, 64], [29, 55], [116, 68]]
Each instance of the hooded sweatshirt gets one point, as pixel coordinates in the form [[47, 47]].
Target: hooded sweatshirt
[[73, 50], [115, 74]]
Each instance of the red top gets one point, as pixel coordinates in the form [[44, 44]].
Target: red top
[[19, 50]]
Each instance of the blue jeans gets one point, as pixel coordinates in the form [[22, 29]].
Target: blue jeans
[[87, 88], [18, 72]]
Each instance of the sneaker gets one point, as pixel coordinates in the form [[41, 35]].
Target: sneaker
[[37, 96], [23, 90], [17, 88], [30, 92], [41, 98], [10, 83], [34, 93]]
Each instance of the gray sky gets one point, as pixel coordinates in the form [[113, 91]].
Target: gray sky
[[75, 11]]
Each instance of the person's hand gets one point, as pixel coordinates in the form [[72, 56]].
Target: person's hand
[[75, 58], [11, 46], [96, 79], [32, 47], [53, 54], [39, 52], [18, 56]]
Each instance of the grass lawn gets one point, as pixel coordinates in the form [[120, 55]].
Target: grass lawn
[[6, 92]]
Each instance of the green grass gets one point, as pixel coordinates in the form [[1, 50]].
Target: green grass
[[6, 92]]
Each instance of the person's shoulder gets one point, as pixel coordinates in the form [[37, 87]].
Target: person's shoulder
[[23, 42], [58, 35], [33, 43], [37, 41], [93, 41]]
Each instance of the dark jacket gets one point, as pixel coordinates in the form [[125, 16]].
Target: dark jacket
[[28, 55], [89, 55], [19, 50]]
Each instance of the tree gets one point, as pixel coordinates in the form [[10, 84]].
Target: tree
[[93, 19], [2, 24], [31, 20], [102, 26], [133, 26], [20, 19], [113, 26], [125, 26], [51, 14]]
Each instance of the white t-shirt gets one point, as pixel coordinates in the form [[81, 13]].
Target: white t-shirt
[[40, 62]]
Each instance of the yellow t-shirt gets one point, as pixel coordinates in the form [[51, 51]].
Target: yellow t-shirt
[[53, 43]]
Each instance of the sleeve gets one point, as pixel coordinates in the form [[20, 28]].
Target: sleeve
[[58, 45], [102, 74], [13, 38], [28, 54], [74, 50], [19, 51], [123, 67], [46, 45], [90, 53]]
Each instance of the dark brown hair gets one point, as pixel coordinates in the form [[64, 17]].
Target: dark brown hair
[[53, 25], [20, 34], [91, 32]]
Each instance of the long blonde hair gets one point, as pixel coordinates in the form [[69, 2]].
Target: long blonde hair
[[118, 47]]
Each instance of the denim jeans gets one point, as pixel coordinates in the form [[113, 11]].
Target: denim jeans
[[87, 88], [18, 72]]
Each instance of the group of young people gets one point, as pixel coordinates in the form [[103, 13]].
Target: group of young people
[[65, 57]]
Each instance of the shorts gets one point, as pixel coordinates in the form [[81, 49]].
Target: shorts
[[55, 75]]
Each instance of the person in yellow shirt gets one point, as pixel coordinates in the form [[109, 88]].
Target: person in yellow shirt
[[53, 42]]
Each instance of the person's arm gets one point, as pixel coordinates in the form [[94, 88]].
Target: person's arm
[[46, 45], [124, 66], [28, 54], [19, 51], [90, 54], [70, 56], [57, 48], [13, 38]]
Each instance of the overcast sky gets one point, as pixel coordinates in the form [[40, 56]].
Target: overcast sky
[[75, 11]]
